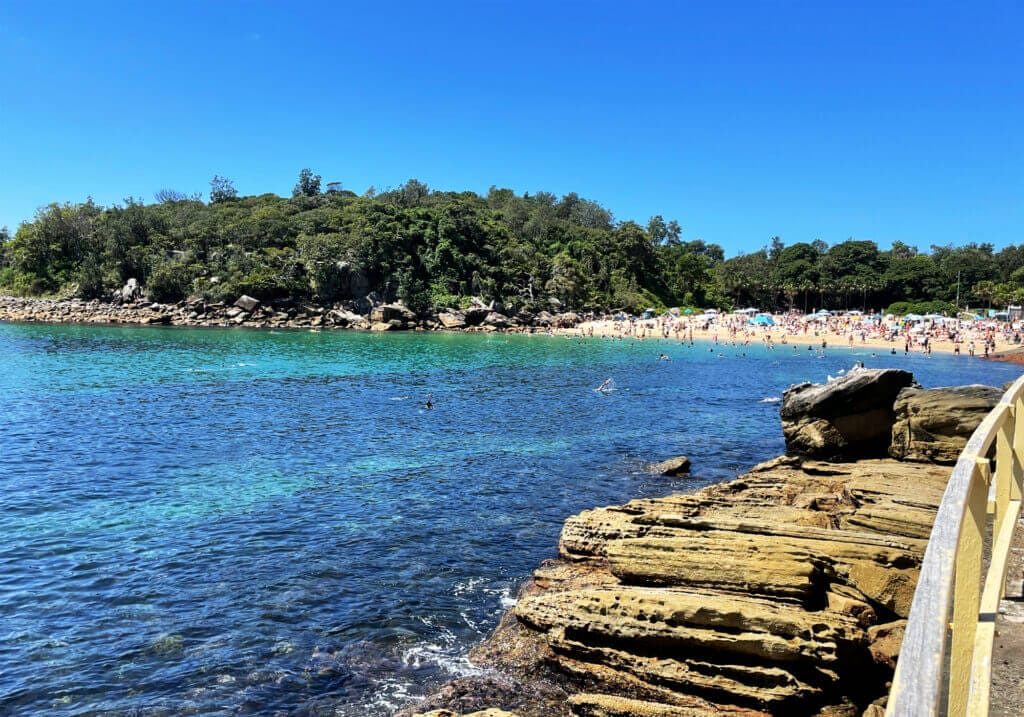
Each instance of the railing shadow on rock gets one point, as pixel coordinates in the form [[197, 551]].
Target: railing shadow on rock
[[945, 663]]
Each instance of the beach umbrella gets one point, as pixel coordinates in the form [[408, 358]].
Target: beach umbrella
[[763, 320], [687, 310]]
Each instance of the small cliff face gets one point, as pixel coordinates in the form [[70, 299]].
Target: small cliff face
[[934, 424]]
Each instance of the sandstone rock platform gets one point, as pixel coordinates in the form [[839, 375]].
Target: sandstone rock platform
[[780, 593]]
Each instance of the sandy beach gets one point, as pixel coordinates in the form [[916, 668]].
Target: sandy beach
[[969, 339]]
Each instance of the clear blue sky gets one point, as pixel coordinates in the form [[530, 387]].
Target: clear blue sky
[[884, 121]]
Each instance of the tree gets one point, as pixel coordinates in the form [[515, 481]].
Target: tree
[[902, 251], [985, 290], [412, 193], [308, 184], [796, 270], [912, 278], [1009, 260], [657, 229], [673, 231], [222, 189], [163, 196], [966, 265], [746, 278], [712, 253], [852, 267]]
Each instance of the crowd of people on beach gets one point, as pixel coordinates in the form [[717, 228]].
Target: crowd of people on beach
[[974, 337]]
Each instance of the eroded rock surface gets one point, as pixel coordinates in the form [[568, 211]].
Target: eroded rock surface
[[934, 424], [781, 593]]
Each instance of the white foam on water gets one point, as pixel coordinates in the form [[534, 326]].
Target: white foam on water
[[390, 695], [428, 654], [466, 587]]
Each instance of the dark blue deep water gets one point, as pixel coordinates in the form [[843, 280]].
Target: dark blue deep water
[[233, 522]]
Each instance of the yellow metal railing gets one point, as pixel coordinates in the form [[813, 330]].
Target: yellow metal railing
[[953, 610]]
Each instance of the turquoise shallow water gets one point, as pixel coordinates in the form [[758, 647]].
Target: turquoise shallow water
[[224, 522]]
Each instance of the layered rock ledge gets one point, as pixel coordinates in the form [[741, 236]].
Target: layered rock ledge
[[783, 592]]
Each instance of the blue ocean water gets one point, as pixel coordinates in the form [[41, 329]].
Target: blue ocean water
[[239, 522]]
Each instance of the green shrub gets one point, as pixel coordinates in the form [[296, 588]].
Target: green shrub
[[168, 281], [902, 308], [27, 284], [899, 308], [90, 279]]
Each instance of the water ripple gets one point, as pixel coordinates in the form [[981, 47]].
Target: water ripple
[[219, 522]]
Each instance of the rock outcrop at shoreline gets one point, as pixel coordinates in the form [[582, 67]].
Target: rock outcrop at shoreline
[[845, 419], [285, 314], [934, 424], [777, 593], [784, 592]]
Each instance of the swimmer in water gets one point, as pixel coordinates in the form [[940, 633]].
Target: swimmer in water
[[604, 386], [429, 405]]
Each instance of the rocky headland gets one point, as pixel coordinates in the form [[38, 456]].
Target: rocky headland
[[129, 308], [783, 592]]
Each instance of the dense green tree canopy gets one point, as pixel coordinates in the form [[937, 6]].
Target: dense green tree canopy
[[434, 249]]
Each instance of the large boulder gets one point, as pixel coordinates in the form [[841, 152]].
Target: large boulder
[[475, 315], [544, 319], [498, 321], [452, 319], [131, 290], [846, 419], [247, 303], [392, 312], [933, 424]]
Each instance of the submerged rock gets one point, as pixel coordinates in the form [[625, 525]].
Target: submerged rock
[[678, 466]]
